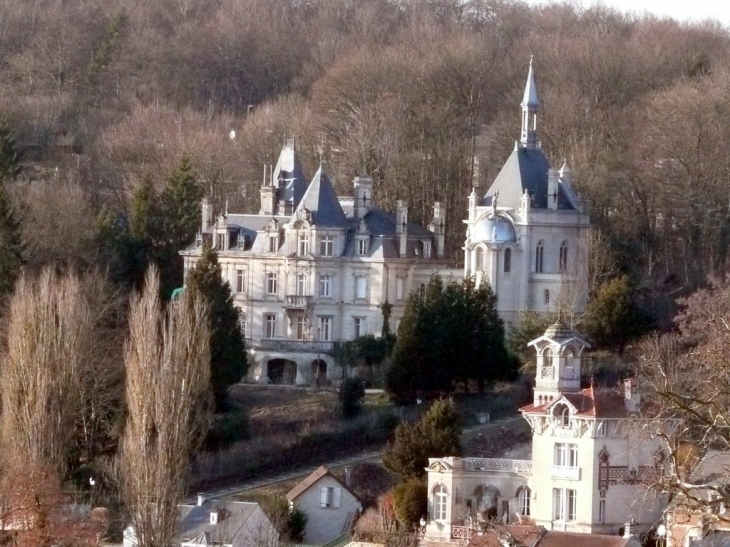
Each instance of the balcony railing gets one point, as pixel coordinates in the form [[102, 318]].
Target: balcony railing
[[298, 301], [569, 473], [461, 532], [277, 344], [523, 467]]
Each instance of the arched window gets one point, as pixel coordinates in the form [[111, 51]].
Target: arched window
[[242, 324], [422, 291], [546, 296], [569, 367], [439, 502], [538, 256], [563, 259], [479, 260], [507, 260], [562, 415], [523, 501]]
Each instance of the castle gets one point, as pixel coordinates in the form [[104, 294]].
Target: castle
[[312, 268]]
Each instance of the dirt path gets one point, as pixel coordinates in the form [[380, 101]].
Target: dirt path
[[252, 484]]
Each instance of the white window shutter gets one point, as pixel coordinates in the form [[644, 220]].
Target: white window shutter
[[323, 497], [338, 496]]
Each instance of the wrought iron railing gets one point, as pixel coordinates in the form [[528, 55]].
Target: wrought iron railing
[[523, 467]]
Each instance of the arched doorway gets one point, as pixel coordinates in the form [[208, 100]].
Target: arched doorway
[[281, 372], [318, 373], [487, 497]]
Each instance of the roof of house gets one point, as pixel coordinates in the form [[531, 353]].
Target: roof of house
[[195, 519], [321, 200], [591, 401], [310, 481], [537, 536], [288, 175]]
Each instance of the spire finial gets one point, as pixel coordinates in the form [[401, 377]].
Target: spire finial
[[531, 57], [530, 105]]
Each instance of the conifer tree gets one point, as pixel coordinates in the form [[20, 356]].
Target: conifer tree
[[180, 204], [228, 360], [9, 156], [11, 243]]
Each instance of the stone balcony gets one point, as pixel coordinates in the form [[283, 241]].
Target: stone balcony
[[286, 345], [521, 467], [567, 473], [297, 301]]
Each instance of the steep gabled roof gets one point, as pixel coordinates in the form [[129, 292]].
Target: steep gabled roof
[[590, 402], [322, 202], [311, 480], [288, 175]]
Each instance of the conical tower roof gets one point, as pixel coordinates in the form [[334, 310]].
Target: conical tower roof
[[529, 99], [321, 200]]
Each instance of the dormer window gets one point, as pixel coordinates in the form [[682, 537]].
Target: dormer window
[[362, 246], [273, 243], [562, 415], [327, 246], [427, 249]]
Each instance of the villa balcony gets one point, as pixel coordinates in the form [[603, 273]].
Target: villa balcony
[[297, 302], [521, 467], [567, 473], [286, 345]]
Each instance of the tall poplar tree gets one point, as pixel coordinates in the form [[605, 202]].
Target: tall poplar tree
[[12, 246]]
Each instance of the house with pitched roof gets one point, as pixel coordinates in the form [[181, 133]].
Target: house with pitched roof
[[525, 235], [331, 507], [311, 268], [592, 460]]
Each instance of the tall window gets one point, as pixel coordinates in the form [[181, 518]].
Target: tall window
[[302, 284], [479, 260], [399, 288], [361, 287], [601, 431], [303, 248], [566, 455], [272, 285], [330, 496], [507, 260], [301, 328], [240, 281], [273, 244], [563, 258], [427, 250], [362, 247], [242, 324], [269, 325], [422, 291], [327, 245], [564, 504], [538, 257], [523, 501], [325, 285], [439, 495], [325, 328], [360, 324], [546, 297]]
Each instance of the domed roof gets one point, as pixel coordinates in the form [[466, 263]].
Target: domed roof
[[559, 331], [494, 229]]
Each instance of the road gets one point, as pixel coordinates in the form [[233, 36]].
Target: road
[[466, 436]]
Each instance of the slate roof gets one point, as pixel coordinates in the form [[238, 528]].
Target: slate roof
[[593, 402], [289, 176], [195, 519], [530, 96], [322, 202], [537, 536], [526, 169]]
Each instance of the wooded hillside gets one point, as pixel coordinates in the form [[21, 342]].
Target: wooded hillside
[[101, 94]]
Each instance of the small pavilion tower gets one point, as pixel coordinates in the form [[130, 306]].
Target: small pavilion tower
[[559, 353], [530, 105]]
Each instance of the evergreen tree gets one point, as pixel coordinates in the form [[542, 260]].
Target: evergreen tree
[[411, 502], [11, 244], [435, 435], [452, 334], [9, 157], [228, 360]]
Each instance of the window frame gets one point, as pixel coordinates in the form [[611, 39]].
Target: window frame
[[362, 246], [523, 501], [325, 286], [302, 244], [327, 246], [546, 297], [563, 257], [601, 511], [427, 249], [507, 260], [302, 284], [272, 283], [440, 502], [539, 257], [565, 503], [240, 281], [270, 326], [565, 455], [359, 326], [273, 244], [479, 259], [361, 282], [324, 328]]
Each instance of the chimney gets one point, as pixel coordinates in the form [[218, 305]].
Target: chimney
[[214, 517], [363, 196], [437, 227], [201, 499], [630, 529], [347, 477], [473, 204], [207, 213], [401, 226], [552, 196], [268, 199], [631, 395]]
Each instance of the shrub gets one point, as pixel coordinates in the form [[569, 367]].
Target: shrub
[[411, 502]]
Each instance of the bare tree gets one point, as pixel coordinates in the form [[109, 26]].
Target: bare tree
[[49, 336], [168, 402]]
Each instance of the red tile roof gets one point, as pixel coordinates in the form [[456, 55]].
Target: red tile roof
[[537, 536], [598, 402]]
